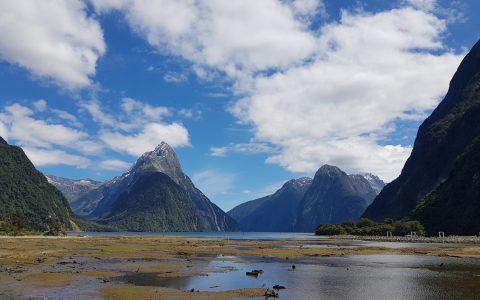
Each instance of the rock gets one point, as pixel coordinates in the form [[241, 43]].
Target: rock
[[270, 293], [254, 273], [278, 287]]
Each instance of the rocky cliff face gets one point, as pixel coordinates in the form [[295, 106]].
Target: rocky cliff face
[[454, 206], [441, 140], [162, 159]]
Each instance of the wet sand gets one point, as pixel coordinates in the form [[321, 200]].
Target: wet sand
[[97, 267]]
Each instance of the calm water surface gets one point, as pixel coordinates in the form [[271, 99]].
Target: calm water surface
[[349, 277], [265, 236]]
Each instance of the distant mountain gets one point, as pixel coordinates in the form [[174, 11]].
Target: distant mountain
[[102, 204], [442, 139], [73, 189], [333, 197], [276, 212], [26, 196], [301, 204], [375, 182]]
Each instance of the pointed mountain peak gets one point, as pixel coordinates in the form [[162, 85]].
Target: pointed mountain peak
[[162, 159], [163, 149], [2, 141]]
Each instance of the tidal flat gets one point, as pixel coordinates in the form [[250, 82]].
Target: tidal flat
[[180, 267]]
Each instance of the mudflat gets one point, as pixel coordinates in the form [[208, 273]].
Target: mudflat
[[143, 267]]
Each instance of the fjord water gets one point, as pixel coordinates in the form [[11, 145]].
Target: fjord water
[[348, 277], [237, 235]]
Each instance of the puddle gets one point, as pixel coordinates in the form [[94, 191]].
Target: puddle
[[358, 277]]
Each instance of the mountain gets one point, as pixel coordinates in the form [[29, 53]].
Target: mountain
[[153, 202], [276, 212], [333, 197], [454, 206], [73, 189], [26, 197], [301, 204], [102, 204], [375, 182], [442, 139]]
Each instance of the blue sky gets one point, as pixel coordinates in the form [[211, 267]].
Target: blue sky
[[249, 93]]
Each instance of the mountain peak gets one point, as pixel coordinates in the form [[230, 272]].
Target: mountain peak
[[300, 184], [163, 149], [2, 141], [329, 170], [162, 159]]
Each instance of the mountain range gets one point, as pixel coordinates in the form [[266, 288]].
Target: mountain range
[[331, 196], [439, 183], [73, 189]]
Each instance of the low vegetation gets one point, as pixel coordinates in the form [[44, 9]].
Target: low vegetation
[[364, 227]]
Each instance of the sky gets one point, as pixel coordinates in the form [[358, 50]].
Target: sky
[[249, 93]]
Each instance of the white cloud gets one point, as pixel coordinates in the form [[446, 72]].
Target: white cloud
[[3, 131], [334, 96], [32, 38], [139, 129], [71, 119], [29, 131], [232, 36], [95, 111], [245, 148], [214, 182], [113, 165], [308, 9], [426, 5], [370, 70], [151, 135], [189, 113], [155, 112], [43, 157], [40, 105]]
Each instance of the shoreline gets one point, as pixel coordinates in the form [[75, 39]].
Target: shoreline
[[432, 240], [36, 266]]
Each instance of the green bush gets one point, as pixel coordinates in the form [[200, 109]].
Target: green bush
[[330, 229], [364, 227]]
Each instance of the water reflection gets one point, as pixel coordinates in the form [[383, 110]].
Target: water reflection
[[349, 277]]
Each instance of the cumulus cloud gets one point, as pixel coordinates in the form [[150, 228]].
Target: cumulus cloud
[[43, 157], [140, 128], [232, 36], [151, 135], [53, 143], [334, 97], [113, 165], [32, 38], [27, 130], [370, 71]]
